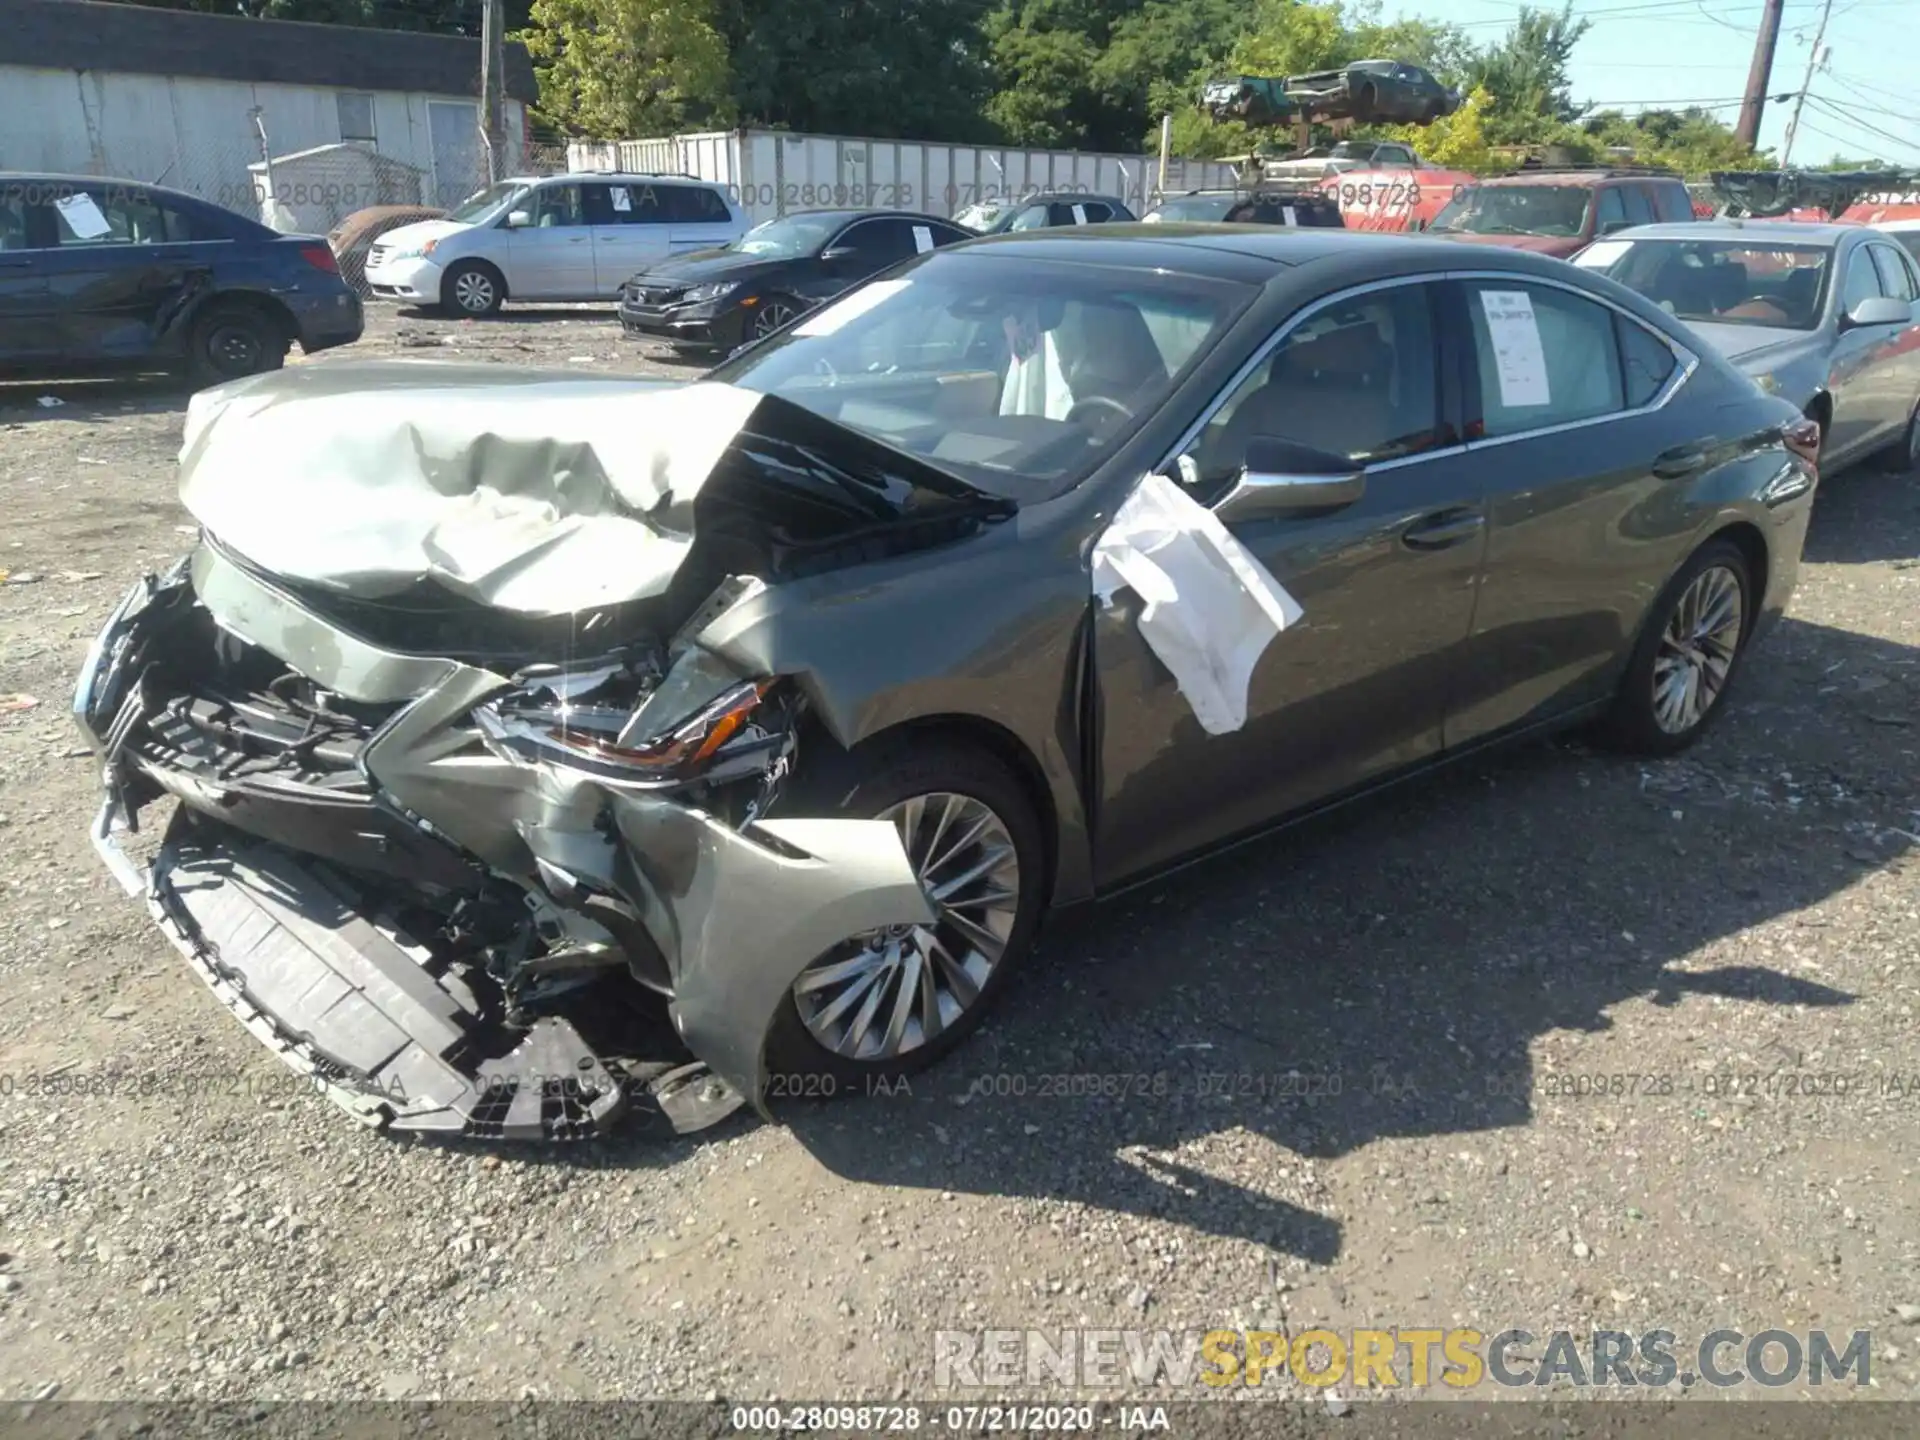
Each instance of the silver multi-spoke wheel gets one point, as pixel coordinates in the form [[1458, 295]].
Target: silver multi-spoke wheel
[[772, 316], [473, 291], [1697, 650], [892, 991]]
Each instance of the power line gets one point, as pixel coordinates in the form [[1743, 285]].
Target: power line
[[1847, 115], [1813, 59]]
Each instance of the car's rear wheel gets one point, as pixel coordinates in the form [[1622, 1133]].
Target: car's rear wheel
[[1364, 100], [229, 341], [472, 289], [1677, 680], [892, 1002]]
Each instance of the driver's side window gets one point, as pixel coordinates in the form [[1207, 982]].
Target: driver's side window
[[1357, 378]]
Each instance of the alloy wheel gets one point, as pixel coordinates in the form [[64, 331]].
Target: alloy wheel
[[1697, 649], [473, 291], [771, 317], [894, 990]]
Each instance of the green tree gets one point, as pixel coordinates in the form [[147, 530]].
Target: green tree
[[616, 69], [1526, 74], [1692, 141]]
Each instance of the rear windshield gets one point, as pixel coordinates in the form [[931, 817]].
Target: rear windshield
[[1517, 210], [1194, 209]]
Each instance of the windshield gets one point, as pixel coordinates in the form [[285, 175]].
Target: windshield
[[1351, 150], [1720, 282], [1194, 208], [980, 215], [789, 237], [1017, 376], [482, 203], [1516, 210]]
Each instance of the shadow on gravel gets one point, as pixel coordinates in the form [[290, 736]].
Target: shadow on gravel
[[93, 399], [1864, 515], [1386, 971]]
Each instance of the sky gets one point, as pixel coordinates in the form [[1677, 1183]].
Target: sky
[[1645, 54]]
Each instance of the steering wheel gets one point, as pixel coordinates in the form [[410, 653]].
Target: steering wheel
[[1097, 402]]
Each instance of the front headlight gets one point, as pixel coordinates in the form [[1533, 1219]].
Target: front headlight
[[416, 252], [611, 722], [699, 294], [1768, 382]]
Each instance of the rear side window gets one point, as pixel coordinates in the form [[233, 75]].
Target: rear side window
[[1545, 357], [1910, 239], [1610, 212], [1639, 208], [1646, 361], [1671, 201], [115, 217], [693, 205]]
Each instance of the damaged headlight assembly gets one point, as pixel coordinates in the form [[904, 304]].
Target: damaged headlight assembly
[[702, 722]]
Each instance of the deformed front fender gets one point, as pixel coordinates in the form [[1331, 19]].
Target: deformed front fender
[[742, 914]]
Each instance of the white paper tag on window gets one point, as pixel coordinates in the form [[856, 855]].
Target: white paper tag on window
[[1289, 215], [1519, 358], [622, 199], [922, 239], [1079, 214], [82, 217], [830, 319]]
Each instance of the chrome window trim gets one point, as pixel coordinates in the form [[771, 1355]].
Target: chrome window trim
[[1687, 364]]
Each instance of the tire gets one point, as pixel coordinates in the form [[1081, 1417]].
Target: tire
[[1638, 723], [230, 340], [472, 289], [869, 787], [1820, 411], [775, 312], [1364, 100], [1903, 456]]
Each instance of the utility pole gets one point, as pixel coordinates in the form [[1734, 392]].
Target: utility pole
[[1813, 59], [1760, 76], [493, 133]]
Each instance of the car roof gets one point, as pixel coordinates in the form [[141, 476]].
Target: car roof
[[1772, 232], [1571, 179], [1248, 252], [1909, 223]]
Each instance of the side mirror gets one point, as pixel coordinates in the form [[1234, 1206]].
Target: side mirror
[[518, 219], [838, 252], [1612, 225], [1879, 310], [1282, 479]]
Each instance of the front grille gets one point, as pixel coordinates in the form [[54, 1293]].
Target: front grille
[[377, 255], [657, 295]]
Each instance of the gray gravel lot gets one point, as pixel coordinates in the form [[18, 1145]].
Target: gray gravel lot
[[1350, 1059]]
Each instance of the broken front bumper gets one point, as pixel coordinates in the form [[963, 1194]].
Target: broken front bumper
[[280, 896]]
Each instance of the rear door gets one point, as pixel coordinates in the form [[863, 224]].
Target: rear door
[[1896, 379], [1567, 416], [119, 269], [630, 232], [1357, 688], [697, 217]]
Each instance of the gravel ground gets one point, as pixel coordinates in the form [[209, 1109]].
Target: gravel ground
[[1446, 960]]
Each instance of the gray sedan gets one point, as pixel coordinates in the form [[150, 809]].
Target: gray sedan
[[1824, 315]]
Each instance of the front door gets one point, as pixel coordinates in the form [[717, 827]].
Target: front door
[[1862, 419], [551, 257], [1357, 687], [25, 327]]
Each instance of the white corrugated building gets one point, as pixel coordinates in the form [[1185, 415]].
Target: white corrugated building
[[179, 98]]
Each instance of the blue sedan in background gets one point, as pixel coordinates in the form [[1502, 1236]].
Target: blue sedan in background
[[98, 273]]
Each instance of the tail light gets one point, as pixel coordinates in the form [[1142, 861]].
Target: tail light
[[1803, 439], [320, 257]]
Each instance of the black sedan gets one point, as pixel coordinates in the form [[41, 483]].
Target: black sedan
[[97, 273], [719, 299], [790, 701]]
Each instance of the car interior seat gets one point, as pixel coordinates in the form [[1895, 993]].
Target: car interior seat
[[1330, 392]]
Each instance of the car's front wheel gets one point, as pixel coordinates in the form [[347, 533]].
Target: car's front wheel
[[473, 289], [1686, 658], [773, 313], [894, 1001]]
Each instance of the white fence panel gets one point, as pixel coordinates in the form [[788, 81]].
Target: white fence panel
[[770, 173]]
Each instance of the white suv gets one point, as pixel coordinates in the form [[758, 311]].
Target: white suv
[[550, 238]]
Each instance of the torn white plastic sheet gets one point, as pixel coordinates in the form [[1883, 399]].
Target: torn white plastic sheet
[[850, 307], [1208, 608], [541, 495]]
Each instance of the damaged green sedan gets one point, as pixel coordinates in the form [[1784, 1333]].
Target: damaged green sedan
[[548, 747]]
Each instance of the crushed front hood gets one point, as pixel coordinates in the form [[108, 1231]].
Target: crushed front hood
[[534, 492], [538, 493]]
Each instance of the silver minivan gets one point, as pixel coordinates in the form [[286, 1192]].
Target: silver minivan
[[550, 238]]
